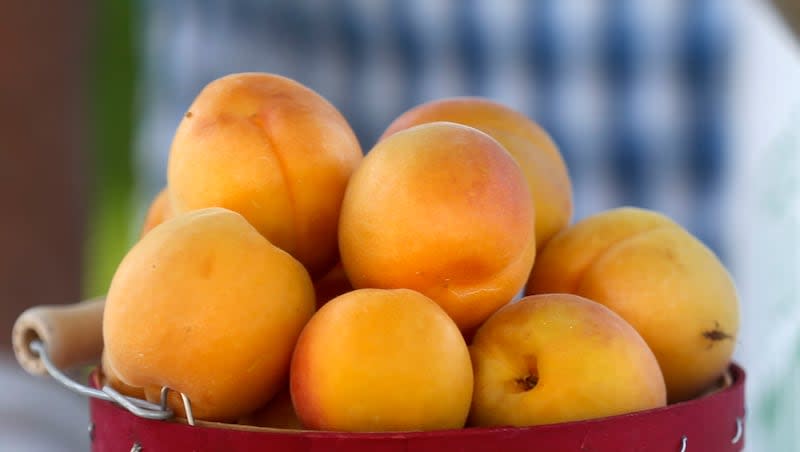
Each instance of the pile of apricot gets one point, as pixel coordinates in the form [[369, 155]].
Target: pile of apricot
[[283, 278]]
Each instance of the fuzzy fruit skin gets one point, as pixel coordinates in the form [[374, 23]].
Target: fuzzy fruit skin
[[557, 358], [273, 150], [110, 378], [442, 209], [222, 306], [159, 211], [381, 360], [529, 144], [660, 279]]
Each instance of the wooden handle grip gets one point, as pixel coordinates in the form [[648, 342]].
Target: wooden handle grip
[[72, 335]]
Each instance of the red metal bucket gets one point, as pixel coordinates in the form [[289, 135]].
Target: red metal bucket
[[712, 423], [47, 339]]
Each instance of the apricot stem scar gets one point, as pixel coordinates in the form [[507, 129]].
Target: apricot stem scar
[[716, 334], [527, 382]]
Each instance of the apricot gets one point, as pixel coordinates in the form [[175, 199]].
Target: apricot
[[659, 278], [273, 150], [558, 358], [159, 211], [381, 360], [568, 257], [526, 141], [443, 209], [205, 305], [110, 378]]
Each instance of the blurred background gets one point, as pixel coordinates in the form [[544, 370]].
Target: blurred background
[[689, 107]]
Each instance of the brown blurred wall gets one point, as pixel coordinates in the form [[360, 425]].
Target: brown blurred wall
[[43, 56], [790, 10]]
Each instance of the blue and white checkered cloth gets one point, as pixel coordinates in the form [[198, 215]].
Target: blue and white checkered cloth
[[633, 92]]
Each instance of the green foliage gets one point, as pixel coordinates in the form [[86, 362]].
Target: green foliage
[[111, 84]]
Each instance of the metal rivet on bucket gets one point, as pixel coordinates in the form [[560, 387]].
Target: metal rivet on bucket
[[739, 430]]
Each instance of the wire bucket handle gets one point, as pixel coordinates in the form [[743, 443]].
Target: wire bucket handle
[[48, 339]]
